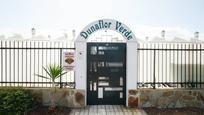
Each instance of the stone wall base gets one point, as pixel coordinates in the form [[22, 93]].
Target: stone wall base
[[166, 98], [63, 97], [160, 98]]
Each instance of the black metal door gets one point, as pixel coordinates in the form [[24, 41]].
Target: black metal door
[[106, 73]]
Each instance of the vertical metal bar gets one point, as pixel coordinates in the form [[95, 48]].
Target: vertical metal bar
[[67, 75], [177, 65], [149, 57], [59, 59], [147, 73], [70, 72], [1, 62], [46, 60], [192, 66], [70, 45], [200, 66], [75, 72], [181, 65], [26, 64], [30, 61], [42, 63], [138, 69], [54, 53], [170, 69], [34, 63], [151, 72], [50, 56], [185, 65], [143, 63], [158, 62], [173, 64], [22, 65], [189, 55], [61, 66], [154, 77], [166, 62], [147, 68], [5, 62], [58, 51], [14, 64], [18, 63], [10, 62], [162, 71], [38, 61], [196, 65]]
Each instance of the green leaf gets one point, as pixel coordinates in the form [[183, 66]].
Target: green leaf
[[46, 71], [42, 76], [54, 71]]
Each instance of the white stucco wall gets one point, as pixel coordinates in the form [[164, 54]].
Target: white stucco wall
[[81, 71], [131, 67]]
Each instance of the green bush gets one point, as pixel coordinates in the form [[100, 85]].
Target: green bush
[[16, 101]]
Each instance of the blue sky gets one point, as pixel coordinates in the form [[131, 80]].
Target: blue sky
[[146, 17]]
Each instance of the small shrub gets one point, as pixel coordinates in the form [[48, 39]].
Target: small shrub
[[54, 71], [16, 101]]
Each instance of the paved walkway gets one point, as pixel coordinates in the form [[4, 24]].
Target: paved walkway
[[107, 110]]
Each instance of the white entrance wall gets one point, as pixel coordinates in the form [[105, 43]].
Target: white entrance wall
[[81, 54], [131, 67]]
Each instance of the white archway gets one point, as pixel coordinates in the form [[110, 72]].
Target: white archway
[[81, 55]]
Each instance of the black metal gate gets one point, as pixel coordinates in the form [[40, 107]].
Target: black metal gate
[[106, 73]]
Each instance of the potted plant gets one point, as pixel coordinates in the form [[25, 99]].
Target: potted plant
[[54, 71]]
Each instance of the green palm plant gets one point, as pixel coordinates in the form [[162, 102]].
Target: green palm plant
[[54, 72]]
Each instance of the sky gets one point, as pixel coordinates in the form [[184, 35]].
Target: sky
[[180, 18]]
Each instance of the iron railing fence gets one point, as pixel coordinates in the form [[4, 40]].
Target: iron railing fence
[[160, 65], [171, 65], [21, 60]]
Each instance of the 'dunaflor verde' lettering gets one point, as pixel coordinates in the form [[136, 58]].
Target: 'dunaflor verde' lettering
[[101, 24], [121, 29]]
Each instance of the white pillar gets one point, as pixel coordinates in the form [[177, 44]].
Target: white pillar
[[131, 67], [80, 71]]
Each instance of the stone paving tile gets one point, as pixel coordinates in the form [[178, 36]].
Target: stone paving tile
[[107, 110]]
